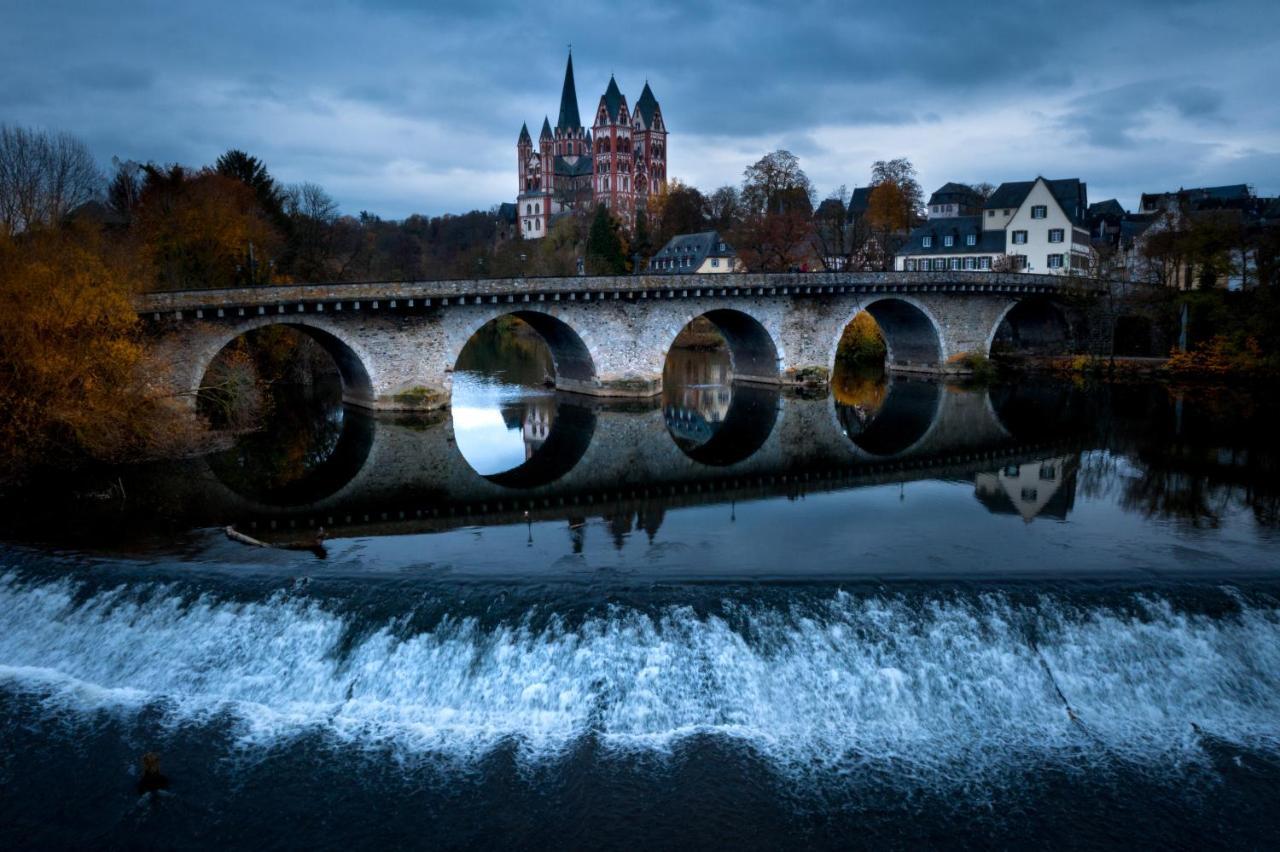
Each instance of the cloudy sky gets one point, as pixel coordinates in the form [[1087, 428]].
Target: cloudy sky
[[399, 107]]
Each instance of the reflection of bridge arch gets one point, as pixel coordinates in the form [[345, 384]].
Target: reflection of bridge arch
[[560, 446], [912, 335], [752, 351], [745, 426], [910, 411], [347, 355], [241, 470], [571, 359], [1034, 325]]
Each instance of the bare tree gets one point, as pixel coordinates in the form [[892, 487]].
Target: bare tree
[[775, 183], [43, 177]]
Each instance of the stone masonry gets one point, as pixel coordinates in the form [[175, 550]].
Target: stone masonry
[[396, 343]]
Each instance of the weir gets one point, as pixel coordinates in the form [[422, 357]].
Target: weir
[[397, 343]]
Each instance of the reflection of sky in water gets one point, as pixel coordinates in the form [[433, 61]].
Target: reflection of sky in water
[[484, 437]]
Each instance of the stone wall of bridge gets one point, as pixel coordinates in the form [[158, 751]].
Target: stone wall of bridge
[[396, 356]]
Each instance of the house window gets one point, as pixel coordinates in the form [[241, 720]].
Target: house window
[[991, 214], [971, 240], [939, 264], [715, 263], [955, 263], [1028, 495], [1055, 261], [1048, 472], [1055, 235], [927, 242], [984, 263], [1019, 238], [1039, 211], [948, 241], [970, 263]]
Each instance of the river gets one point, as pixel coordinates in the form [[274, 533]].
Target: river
[[901, 613]]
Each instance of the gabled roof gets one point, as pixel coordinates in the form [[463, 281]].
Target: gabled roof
[[580, 166], [647, 105], [695, 248], [524, 134], [507, 211], [858, 202], [546, 129], [612, 99], [1109, 209], [568, 119], [987, 242], [1199, 196], [955, 193], [1070, 193]]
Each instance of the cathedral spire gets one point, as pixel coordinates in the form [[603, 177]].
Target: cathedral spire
[[569, 101]]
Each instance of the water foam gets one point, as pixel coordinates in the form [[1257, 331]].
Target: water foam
[[955, 685]]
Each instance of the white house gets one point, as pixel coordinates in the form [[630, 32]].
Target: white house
[[704, 252], [1029, 226]]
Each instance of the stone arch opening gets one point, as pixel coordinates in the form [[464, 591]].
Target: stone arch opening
[[720, 387], [509, 422], [357, 386], [753, 356], [912, 339], [904, 337], [572, 367], [1034, 326]]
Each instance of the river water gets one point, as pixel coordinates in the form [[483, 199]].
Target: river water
[[899, 614]]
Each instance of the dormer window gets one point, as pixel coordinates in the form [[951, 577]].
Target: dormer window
[[1039, 211], [971, 240], [948, 241], [926, 242]]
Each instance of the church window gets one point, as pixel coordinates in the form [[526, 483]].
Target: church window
[[528, 209], [537, 208]]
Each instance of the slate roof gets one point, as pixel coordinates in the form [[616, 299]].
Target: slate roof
[[1070, 193], [989, 242], [1109, 209], [568, 119], [524, 134], [507, 212], [546, 129], [612, 98], [647, 105], [1202, 196], [858, 203], [580, 166], [955, 193], [692, 248]]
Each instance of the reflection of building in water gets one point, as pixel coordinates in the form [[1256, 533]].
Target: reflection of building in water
[[536, 426], [533, 418], [699, 412], [1046, 487]]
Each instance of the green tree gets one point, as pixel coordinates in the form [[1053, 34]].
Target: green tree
[[606, 254], [253, 173]]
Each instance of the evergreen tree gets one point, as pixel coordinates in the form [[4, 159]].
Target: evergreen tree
[[642, 244], [253, 173], [604, 245]]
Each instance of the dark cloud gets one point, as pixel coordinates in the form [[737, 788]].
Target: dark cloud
[[400, 106]]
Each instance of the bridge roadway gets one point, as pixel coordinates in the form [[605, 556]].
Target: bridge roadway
[[393, 477], [396, 343]]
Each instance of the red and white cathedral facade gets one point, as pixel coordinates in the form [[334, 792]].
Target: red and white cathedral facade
[[620, 162]]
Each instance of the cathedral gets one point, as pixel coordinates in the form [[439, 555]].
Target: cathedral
[[620, 162]]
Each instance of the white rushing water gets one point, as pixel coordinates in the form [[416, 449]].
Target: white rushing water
[[951, 685]]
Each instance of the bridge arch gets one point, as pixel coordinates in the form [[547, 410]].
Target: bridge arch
[[753, 354], [575, 368], [353, 363], [912, 335], [1034, 326]]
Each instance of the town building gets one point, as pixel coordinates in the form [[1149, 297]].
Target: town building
[[1027, 226], [703, 253], [621, 161]]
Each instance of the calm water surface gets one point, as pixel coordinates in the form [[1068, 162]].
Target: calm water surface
[[899, 614]]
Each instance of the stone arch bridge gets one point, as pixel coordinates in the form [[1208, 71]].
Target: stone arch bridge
[[396, 344]]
